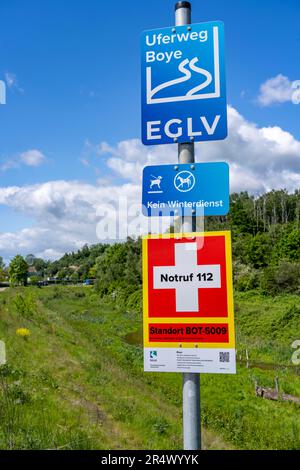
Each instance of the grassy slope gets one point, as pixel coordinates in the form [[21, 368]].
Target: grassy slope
[[267, 327], [75, 383]]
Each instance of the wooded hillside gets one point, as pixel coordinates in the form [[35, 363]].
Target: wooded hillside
[[266, 250]]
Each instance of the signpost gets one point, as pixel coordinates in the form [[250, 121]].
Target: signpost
[[183, 84], [188, 307], [197, 189], [188, 303]]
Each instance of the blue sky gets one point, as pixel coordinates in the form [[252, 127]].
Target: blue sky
[[73, 75]]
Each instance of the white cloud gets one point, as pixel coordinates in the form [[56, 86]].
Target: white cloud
[[9, 164], [10, 79], [128, 157], [258, 156], [32, 157], [12, 82], [84, 162], [277, 89], [66, 213]]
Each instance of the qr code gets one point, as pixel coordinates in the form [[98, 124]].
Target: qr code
[[224, 356]]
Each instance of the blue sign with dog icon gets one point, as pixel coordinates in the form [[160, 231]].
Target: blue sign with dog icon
[[183, 84], [189, 189]]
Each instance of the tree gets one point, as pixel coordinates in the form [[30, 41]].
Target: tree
[[2, 269], [282, 278], [40, 265], [61, 275], [133, 271], [34, 280], [259, 250], [291, 245], [119, 267], [92, 272], [240, 215], [18, 269], [74, 277]]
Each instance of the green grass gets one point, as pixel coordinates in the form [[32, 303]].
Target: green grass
[[76, 383], [267, 326]]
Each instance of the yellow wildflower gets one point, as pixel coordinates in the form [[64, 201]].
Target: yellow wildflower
[[23, 332]]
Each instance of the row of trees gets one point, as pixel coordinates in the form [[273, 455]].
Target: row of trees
[[74, 267], [266, 247], [273, 208], [266, 243]]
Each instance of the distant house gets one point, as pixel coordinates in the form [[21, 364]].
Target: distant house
[[32, 271], [74, 268]]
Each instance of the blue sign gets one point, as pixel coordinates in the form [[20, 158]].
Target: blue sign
[[183, 84], [196, 189]]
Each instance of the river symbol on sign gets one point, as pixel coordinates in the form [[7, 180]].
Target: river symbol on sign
[[187, 71]]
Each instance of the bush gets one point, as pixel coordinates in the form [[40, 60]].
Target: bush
[[282, 278], [55, 293], [78, 294], [245, 278], [291, 245], [25, 305], [259, 250], [119, 267], [135, 301], [34, 280]]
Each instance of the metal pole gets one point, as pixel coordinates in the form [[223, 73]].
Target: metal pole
[[191, 382]]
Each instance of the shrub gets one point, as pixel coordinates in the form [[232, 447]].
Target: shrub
[[7, 370], [282, 278], [79, 294], [34, 280], [259, 250], [55, 293], [245, 278], [291, 245], [160, 426], [135, 301], [25, 305], [17, 394]]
